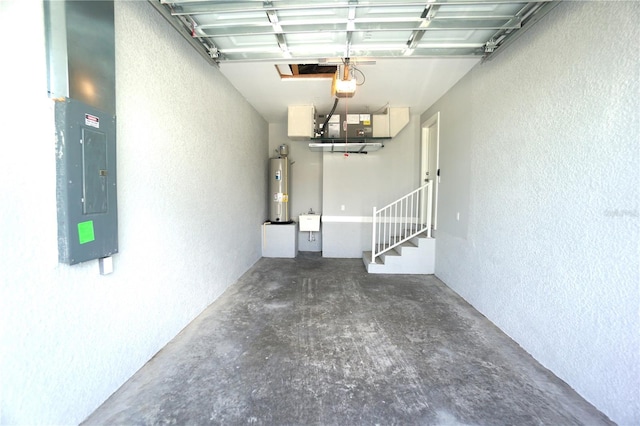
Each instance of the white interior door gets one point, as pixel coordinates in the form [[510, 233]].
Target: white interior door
[[424, 156], [429, 164]]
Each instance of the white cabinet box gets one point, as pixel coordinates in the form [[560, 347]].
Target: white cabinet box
[[280, 240], [301, 122]]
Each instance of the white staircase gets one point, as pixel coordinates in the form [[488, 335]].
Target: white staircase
[[415, 256], [401, 236]]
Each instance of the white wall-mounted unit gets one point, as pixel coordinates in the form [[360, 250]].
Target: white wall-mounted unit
[[309, 222], [301, 121], [388, 125]]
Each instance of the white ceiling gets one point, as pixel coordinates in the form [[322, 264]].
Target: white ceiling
[[402, 82]]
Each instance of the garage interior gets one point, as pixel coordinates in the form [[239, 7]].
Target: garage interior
[[320, 341], [536, 283]]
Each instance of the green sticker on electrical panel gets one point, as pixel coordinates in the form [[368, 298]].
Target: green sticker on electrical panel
[[85, 232]]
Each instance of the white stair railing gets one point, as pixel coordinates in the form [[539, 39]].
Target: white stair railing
[[401, 220]]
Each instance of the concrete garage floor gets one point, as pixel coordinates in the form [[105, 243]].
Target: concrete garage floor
[[319, 341]]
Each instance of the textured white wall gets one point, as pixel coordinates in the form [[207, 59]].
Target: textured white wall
[[540, 151], [191, 165], [360, 182]]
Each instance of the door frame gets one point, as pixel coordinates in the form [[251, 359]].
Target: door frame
[[432, 121]]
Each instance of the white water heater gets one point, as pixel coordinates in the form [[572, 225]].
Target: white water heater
[[279, 187]]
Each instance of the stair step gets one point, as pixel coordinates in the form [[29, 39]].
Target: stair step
[[367, 258], [415, 256], [407, 245]]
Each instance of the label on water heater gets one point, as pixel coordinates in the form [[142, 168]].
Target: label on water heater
[[278, 175]]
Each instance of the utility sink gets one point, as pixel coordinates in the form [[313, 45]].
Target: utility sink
[[309, 222]]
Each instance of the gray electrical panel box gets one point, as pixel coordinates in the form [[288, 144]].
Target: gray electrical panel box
[[86, 182]]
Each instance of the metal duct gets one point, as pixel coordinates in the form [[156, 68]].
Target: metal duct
[[81, 52]]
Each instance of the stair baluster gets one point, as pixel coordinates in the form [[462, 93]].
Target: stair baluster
[[401, 220]]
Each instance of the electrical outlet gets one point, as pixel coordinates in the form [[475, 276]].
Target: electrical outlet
[[342, 208]]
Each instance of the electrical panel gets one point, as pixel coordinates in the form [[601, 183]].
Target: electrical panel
[[86, 182]]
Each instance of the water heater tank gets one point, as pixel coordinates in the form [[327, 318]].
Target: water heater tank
[[279, 190]]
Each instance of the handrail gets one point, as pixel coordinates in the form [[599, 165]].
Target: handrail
[[401, 220]]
